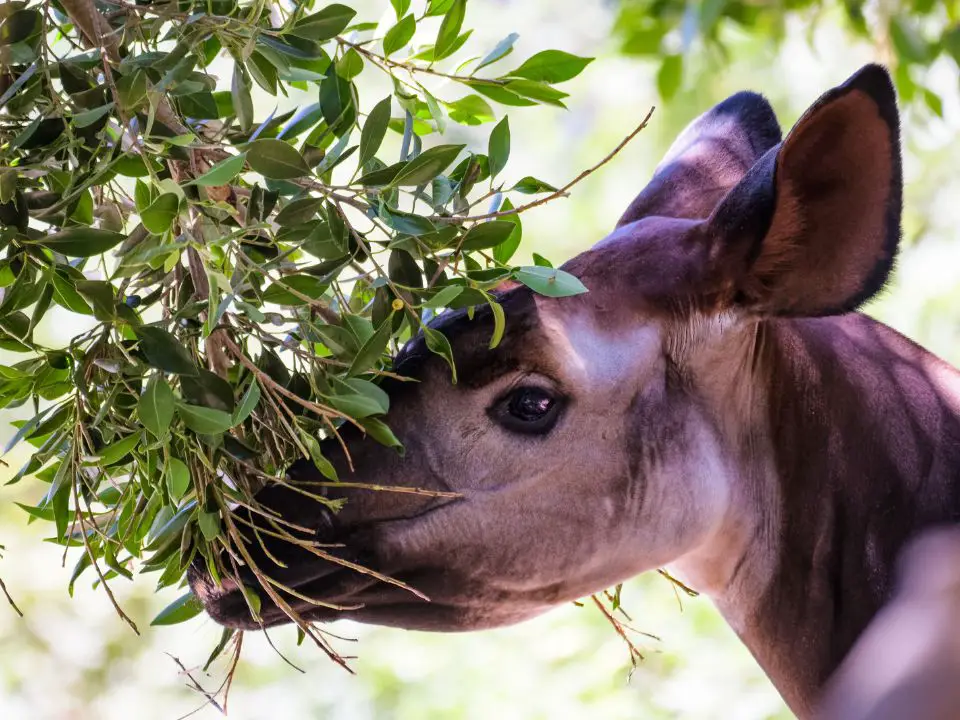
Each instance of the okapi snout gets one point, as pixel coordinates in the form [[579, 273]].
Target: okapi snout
[[290, 538]]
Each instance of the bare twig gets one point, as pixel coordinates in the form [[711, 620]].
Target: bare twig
[[211, 699], [3, 589]]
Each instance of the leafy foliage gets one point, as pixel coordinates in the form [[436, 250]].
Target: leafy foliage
[[240, 280], [909, 36]]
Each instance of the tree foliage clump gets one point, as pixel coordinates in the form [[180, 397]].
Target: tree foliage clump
[[909, 37], [230, 283]]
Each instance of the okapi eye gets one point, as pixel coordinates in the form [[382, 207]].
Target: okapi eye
[[531, 410]]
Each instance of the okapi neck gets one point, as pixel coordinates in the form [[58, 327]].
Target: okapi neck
[[864, 427]]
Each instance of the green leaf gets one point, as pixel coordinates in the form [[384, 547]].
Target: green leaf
[[355, 405], [66, 295], [248, 403], [383, 176], [537, 91], [326, 24], [669, 76], [159, 216], [374, 130], [399, 35], [438, 7], [551, 66], [550, 282], [325, 467], [499, 323], [450, 30], [498, 147], [299, 211], [505, 250], [180, 610], [99, 293], [407, 223], [487, 235], [400, 7], [380, 431], [470, 110], [82, 564], [164, 534], [437, 343], [242, 100], [221, 173], [498, 93], [204, 420], [82, 241], [427, 165], [337, 103], [500, 51], [177, 477], [119, 450], [350, 64], [532, 186], [370, 390], [164, 352], [280, 293], [276, 160], [444, 297], [373, 348], [155, 407], [89, 117]]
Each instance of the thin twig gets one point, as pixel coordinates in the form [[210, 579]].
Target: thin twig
[[3, 589], [399, 65], [562, 192], [618, 627], [197, 686]]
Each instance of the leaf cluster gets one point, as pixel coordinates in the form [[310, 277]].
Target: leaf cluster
[[234, 282]]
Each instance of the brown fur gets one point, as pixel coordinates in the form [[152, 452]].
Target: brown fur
[[780, 461]]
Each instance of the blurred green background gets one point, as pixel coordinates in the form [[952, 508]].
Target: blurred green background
[[75, 659]]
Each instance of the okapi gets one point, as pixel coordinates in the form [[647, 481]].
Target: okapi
[[714, 404]]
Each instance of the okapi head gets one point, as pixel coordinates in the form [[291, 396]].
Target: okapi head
[[632, 427]]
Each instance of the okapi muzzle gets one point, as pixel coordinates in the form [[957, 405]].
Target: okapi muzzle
[[714, 404]]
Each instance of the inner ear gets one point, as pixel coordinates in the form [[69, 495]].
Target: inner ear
[[708, 158], [815, 225]]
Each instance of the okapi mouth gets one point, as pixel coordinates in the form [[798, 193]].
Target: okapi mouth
[[350, 584], [331, 589]]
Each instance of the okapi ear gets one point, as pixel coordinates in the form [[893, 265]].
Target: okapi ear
[[708, 158], [813, 228]]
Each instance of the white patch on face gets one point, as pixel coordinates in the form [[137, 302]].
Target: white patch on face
[[593, 360]]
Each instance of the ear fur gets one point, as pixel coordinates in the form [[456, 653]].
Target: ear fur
[[812, 229], [708, 158]]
